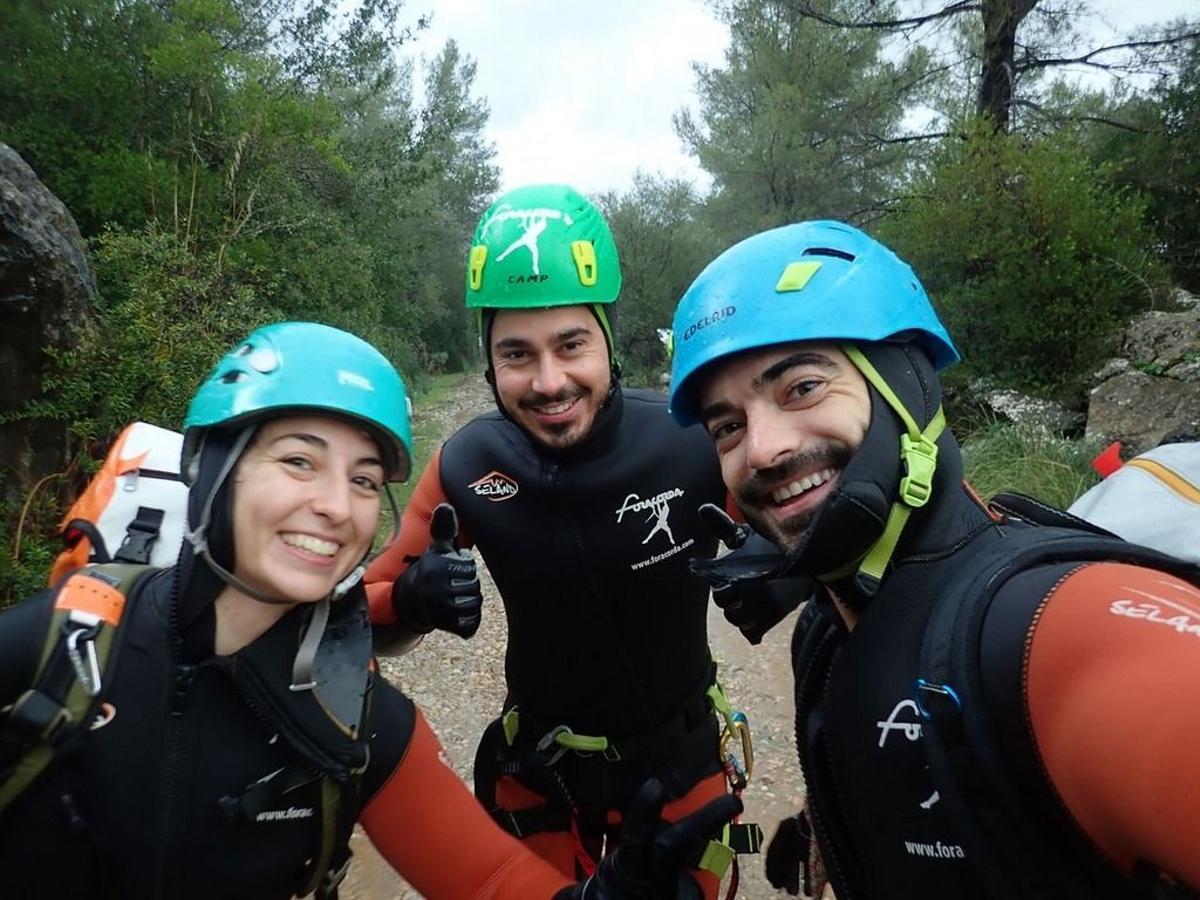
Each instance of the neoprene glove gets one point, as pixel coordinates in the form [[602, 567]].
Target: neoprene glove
[[793, 863], [752, 602], [440, 588], [653, 857], [786, 854]]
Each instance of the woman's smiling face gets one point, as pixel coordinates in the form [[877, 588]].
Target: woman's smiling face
[[305, 506]]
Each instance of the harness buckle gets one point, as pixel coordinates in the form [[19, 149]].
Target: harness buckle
[[550, 739], [565, 739]]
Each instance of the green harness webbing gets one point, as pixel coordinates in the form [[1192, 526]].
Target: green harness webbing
[[918, 450], [740, 837]]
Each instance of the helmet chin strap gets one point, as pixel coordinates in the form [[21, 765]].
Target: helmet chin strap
[[918, 450], [198, 536]]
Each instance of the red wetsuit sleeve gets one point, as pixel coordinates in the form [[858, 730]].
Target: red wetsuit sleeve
[[413, 540], [431, 829], [1111, 674]]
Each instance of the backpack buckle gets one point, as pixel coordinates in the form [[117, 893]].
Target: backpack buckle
[[140, 536], [35, 716]]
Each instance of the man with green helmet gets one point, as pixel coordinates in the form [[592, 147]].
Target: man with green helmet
[[581, 496], [987, 698]]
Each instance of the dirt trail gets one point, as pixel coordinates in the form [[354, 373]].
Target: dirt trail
[[459, 685]]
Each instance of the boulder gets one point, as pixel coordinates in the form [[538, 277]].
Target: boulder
[[1153, 387], [1156, 342], [1032, 412], [46, 288], [1139, 409]]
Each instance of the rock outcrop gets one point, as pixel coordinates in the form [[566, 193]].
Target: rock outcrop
[[46, 288], [1153, 387]]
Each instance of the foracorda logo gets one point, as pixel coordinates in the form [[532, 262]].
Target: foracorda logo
[[717, 315], [495, 486]]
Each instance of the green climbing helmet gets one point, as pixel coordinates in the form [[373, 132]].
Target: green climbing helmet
[[298, 367], [542, 245]]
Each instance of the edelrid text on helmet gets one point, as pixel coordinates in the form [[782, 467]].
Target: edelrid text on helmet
[[542, 245], [810, 281], [296, 367]]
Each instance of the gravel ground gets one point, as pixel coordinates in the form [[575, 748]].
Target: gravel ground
[[460, 685]]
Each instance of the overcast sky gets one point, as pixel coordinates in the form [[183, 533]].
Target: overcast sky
[[582, 91]]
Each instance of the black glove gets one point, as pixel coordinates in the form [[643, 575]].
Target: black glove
[[440, 588], [787, 855], [651, 861], [742, 584]]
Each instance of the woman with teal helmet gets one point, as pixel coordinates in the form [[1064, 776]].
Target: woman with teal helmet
[[243, 729]]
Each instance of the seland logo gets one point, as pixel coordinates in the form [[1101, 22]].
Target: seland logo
[[495, 486]]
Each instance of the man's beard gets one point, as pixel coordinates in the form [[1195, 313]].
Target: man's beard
[[562, 435], [755, 494]]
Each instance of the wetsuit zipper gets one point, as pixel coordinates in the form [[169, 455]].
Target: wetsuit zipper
[[600, 601], [821, 833], [183, 676]]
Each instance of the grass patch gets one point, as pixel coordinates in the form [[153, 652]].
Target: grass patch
[[1006, 457]]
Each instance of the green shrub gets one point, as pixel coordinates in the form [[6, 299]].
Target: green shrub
[[1006, 457], [1032, 259]]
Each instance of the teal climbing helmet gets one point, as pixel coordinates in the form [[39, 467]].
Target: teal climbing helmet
[[299, 367], [810, 281]]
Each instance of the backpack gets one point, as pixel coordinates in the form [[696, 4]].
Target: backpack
[[1153, 499], [133, 510], [1003, 832], [80, 650]]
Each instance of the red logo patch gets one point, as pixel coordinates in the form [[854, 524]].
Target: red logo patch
[[495, 486]]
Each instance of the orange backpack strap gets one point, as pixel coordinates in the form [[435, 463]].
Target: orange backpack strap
[[78, 653]]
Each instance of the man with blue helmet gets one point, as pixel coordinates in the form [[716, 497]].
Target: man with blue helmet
[[987, 696]]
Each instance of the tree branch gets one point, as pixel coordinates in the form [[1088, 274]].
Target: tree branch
[[1086, 58], [1070, 117], [806, 10]]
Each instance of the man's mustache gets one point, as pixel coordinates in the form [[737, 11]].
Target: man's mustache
[[758, 487], [537, 399]]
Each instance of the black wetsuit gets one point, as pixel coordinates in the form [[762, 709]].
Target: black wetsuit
[[589, 548], [150, 806]]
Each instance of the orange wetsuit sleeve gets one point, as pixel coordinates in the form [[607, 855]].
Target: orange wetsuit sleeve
[[430, 828], [1111, 675], [413, 540]]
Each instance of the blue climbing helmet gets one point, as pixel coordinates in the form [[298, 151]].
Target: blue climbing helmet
[[299, 367], [810, 281]]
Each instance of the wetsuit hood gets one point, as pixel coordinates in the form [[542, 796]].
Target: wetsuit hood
[[856, 512], [197, 584]]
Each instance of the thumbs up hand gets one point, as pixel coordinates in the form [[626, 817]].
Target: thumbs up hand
[[440, 588]]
